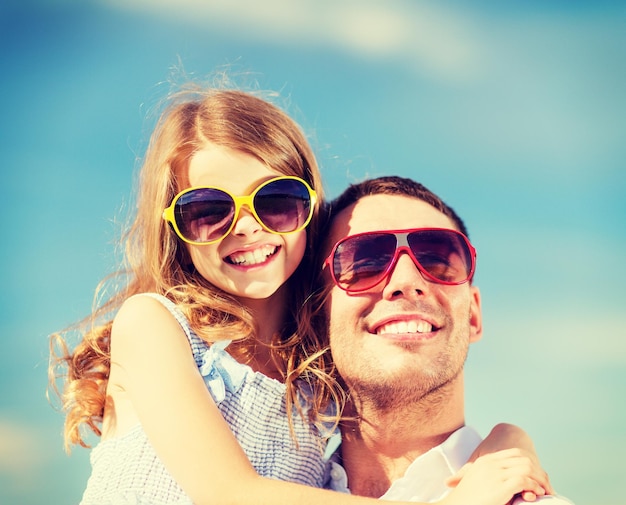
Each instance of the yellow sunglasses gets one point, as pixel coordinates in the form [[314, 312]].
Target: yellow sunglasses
[[204, 215]]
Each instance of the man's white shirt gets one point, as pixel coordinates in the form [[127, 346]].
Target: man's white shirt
[[424, 480]]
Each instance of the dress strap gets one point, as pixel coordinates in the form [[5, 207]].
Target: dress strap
[[221, 372]]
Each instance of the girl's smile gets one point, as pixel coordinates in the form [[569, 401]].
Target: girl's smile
[[252, 257]]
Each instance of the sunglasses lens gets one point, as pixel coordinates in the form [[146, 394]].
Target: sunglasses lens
[[284, 205], [361, 261], [445, 255], [204, 215]]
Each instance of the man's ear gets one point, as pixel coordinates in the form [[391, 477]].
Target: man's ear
[[476, 316]]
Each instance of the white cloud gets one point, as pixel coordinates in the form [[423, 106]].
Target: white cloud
[[426, 37], [527, 93], [21, 453]]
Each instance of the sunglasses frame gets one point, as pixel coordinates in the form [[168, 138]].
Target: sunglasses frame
[[402, 245], [239, 201]]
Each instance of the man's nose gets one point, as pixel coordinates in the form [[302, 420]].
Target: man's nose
[[405, 279]]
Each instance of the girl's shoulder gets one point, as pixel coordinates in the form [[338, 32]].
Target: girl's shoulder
[[158, 314], [139, 309], [154, 303], [146, 311]]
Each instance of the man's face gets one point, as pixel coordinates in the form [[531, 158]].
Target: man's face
[[406, 336]]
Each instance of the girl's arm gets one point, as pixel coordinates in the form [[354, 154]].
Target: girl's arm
[[508, 436], [155, 368], [505, 436]]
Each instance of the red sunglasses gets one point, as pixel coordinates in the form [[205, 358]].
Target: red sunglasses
[[359, 262]]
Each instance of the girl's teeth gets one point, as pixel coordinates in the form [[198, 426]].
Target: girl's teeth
[[252, 257]]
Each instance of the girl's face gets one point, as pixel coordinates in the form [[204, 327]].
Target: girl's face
[[249, 262]]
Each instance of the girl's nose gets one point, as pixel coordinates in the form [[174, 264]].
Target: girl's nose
[[246, 223]]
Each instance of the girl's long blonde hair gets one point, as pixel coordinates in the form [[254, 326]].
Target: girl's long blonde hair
[[155, 260]]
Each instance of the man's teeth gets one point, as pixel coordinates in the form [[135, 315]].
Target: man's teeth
[[401, 327], [252, 257]]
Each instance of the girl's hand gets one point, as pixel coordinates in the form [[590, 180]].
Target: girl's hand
[[494, 479], [509, 436]]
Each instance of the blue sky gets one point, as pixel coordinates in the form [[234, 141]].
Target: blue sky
[[514, 112]]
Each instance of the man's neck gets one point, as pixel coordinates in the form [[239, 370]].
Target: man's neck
[[378, 447]]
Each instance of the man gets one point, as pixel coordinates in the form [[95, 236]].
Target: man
[[401, 313]]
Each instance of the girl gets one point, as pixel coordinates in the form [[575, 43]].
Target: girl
[[216, 256]]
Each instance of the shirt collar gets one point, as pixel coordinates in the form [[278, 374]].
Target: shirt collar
[[425, 478]]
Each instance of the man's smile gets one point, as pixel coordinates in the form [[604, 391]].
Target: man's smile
[[404, 326]]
